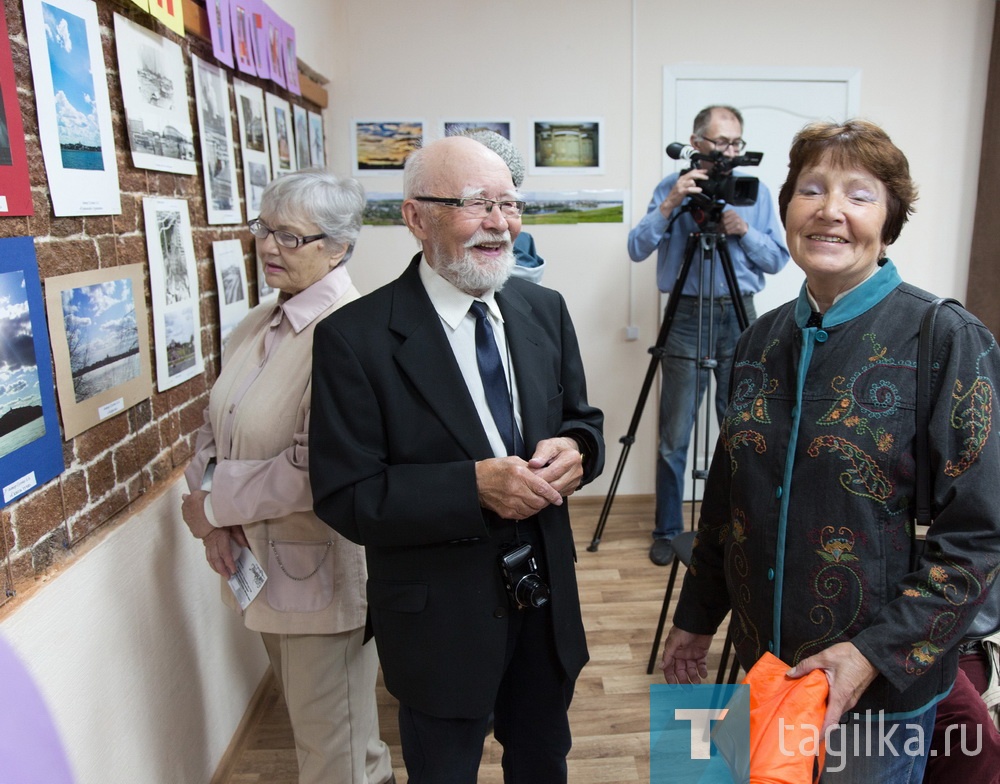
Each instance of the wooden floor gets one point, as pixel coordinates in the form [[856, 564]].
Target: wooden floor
[[621, 592]]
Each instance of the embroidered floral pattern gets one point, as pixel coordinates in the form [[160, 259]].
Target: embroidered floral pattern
[[864, 477], [837, 545], [743, 438], [837, 588], [743, 630], [972, 412], [753, 386]]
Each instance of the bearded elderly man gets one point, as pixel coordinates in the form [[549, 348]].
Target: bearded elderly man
[[449, 424]]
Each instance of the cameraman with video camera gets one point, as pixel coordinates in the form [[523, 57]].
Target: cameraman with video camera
[[684, 203]]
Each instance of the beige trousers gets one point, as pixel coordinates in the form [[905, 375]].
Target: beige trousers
[[329, 685]]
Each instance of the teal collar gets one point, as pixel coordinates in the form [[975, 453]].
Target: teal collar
[[863, 298]]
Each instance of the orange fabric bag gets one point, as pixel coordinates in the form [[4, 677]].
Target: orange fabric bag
[[786, 716]]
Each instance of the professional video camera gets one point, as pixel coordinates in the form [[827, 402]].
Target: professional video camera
[[721, 185]]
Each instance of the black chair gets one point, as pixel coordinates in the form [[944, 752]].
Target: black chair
[[683, 545]]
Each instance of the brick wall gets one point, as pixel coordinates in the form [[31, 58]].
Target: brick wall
[[113, 465]]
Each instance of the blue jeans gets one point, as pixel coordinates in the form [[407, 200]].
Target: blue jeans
[[678, 399], [865, 752]]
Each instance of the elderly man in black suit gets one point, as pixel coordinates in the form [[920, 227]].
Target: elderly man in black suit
[[449, 424]]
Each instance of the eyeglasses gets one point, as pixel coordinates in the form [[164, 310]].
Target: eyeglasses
[[723, 144], [284, 238], [476, 207]]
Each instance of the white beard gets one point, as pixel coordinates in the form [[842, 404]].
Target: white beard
[[475, 276]]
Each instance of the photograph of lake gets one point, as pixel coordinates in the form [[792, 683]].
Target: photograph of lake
[[73, 88], [21, 420], [102, 336]]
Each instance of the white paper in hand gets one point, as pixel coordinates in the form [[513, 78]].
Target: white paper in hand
[[248, 579]]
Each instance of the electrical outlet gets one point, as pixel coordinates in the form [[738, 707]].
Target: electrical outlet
[[631, 332]]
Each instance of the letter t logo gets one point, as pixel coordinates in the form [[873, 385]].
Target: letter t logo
[[701, 722]]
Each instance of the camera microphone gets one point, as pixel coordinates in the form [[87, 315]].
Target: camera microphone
[[681, 152]]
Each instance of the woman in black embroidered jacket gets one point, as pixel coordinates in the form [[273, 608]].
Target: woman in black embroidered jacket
[[805, 526]]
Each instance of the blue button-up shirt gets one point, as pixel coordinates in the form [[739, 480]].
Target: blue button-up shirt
[[760, 251]]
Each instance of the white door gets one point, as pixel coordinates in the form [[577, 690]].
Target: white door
[[775, 103]]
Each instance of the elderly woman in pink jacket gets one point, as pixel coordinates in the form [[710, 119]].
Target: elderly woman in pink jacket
[[249, 485]]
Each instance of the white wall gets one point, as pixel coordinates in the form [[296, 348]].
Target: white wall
[[923, 67], [145, 671]]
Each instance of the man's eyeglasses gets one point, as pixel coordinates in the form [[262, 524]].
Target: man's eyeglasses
[[476, 207], [284, 238], [723, 144]]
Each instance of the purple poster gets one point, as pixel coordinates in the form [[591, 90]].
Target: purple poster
[[275, 55], [242, 30], [258, 37], [219, 21], [291, 58]]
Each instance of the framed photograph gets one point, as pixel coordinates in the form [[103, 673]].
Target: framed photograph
[[302, 152], [231, 278], [240, 22], [253, 143], [458, 127], [30, 446], [381, 146], [15, 181], [154, 90], [279, 124], [100, 344], [317, 143], [566, 147], [218, 158], [585, 206], [383, 209], [221, 31], [173, 281], [74, 111]]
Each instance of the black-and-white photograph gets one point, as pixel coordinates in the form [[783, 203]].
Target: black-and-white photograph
[[173, 283], [154, 91], [218, 156], [231, 280], [175, 263], [155, 85], [232, 283], [254, 143], [257, 178]]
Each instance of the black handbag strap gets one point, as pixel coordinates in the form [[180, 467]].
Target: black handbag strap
[[921, 457]]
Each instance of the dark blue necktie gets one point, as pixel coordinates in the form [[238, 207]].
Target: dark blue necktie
[[494, 381]]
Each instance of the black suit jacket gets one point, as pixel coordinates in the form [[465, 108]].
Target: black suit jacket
[[394, 438]]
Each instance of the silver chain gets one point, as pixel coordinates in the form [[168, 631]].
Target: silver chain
[[281, 566]]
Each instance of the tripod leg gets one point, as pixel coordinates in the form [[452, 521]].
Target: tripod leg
[[657, 351], [732, 284]]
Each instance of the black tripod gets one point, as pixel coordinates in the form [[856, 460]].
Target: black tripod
[[709, 240]]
